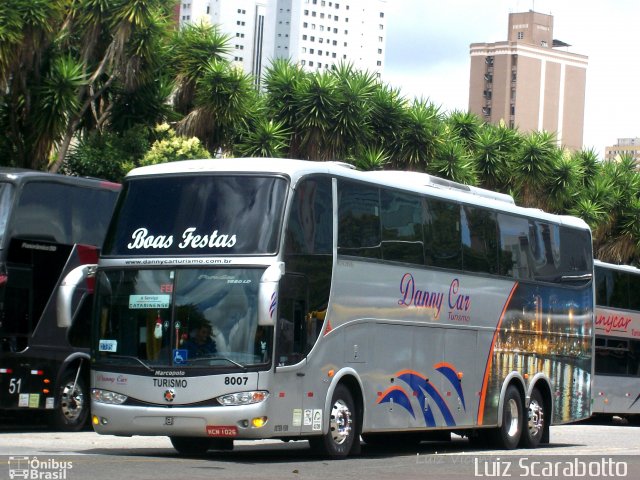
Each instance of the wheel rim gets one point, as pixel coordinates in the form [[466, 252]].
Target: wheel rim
[[536, 418], [512, 418], [71, 402], [341, 421]]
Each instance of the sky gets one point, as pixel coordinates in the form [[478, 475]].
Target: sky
[[428, 53]]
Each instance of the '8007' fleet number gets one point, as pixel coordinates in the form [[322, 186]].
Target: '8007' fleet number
[[236, 380]]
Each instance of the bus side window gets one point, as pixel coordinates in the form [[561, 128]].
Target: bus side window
[[304, 290], [292, 308]]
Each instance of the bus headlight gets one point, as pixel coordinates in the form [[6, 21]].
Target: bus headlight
[[242, 398], [105, 396]]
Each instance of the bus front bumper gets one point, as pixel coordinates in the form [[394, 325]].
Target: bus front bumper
[[239, 422]]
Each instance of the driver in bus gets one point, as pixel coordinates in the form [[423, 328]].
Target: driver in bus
[[200, 344]]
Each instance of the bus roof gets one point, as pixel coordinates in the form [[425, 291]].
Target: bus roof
[[614, 266], [19, 175], [402, 180]]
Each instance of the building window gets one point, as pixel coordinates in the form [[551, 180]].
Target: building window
[[380, 39], [208, 9], [520, 35], [306, 12], [305, 25], [337, 6], [311, 63], [381, 14], [333, 55], [313, 39], [381, 27], [313, 14], [544, 43], [322, 15], [379, 63], [335, 30], [304, 37], [312, 50]]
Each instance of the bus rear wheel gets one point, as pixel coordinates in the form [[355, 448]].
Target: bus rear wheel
[[338, 441], [536, 421], [507, 436], [71, 404]]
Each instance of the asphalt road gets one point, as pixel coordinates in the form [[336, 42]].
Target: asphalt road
[[595, 450]]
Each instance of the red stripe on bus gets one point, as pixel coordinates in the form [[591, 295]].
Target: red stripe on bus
[[487, 368]]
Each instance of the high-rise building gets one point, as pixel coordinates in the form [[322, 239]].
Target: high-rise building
[[316, 34], [530, 81], [625, 146]]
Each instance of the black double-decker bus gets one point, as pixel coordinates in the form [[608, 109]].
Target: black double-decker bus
[[51, 227]]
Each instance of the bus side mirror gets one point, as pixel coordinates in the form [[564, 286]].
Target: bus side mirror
[[268, 294], [66, 290]]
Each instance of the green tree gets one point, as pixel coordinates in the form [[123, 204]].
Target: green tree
[[170, 147], [421, 136], [224, 101]]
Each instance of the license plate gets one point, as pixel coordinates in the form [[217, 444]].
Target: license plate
[[221, 431]]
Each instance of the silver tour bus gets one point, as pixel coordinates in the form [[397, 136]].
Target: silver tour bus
[[268, 298], [616, 383]]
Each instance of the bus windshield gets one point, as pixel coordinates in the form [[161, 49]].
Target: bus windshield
[[197, 215], [182, 317]]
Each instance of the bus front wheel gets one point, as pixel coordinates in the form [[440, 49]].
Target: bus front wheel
[[508, 435], [338, 441], [71, 403]]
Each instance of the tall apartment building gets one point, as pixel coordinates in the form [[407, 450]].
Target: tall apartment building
[[529, 82], [625, 146], [316, 34]]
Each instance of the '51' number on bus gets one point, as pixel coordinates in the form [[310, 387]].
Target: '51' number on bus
[[14, 385]]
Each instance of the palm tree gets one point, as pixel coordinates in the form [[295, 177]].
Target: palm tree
[[315, 121], [532, 167], [224, 103], [388, 116], [283, 83], [192, 48], [564, 182], [369, 159], [263, 138], [351, 127], [493, 148], [115, 48], [453, 162], [421, 136], [463, 126]]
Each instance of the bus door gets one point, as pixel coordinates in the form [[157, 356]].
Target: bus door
[[290, 351]]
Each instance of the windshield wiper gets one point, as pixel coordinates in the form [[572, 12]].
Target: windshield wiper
[[217, 357], [131, 357]]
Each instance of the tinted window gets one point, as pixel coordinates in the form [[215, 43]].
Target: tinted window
[[63, 213], [310, 228], [479, 240], [576, 256], [198, 215], [442, 234], [402, 232], [358, 220], [545, 252], [304, 290], [634, 292], [514, 246]]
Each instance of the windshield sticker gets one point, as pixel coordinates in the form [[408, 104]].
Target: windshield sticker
[[108, 346], [137, 302], [141, 239]]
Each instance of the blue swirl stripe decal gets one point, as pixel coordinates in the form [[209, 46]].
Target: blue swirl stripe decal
[[398, 396], [450, 374]]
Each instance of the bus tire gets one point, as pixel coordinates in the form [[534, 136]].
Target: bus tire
[[507, 436], [338, 441], [71, 406], [190, 446], [535, 422]]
